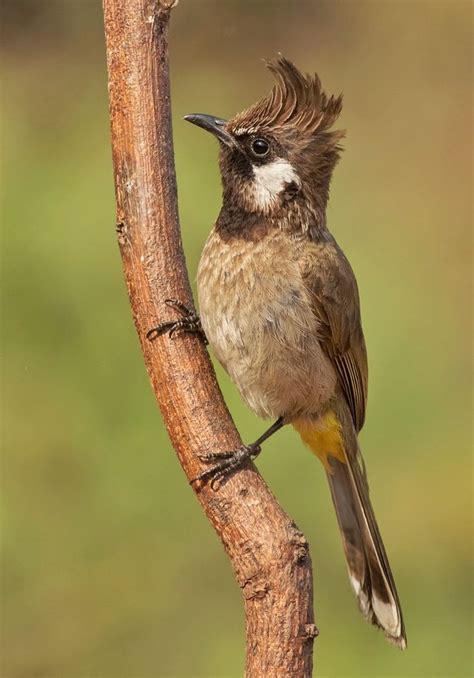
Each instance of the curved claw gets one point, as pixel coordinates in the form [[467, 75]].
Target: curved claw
[[214, 456], [179, 306], [155, 332], [229, 462], [189, 323]]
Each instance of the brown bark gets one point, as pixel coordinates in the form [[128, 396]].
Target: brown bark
[[268, 553]]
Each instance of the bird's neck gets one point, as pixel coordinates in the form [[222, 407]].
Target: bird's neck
[[296, 216]]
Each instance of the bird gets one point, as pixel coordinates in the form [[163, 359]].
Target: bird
[[279, 306]]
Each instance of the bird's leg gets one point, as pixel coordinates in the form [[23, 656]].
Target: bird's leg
[[233, 459], [189, 322]]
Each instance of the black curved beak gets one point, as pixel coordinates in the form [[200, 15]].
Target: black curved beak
[[213, 125]]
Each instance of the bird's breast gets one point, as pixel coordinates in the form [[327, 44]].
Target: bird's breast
[[258, 317]]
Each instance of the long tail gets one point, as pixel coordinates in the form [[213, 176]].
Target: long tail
[[369, 570]]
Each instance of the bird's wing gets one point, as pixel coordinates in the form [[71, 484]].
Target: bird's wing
[[335, 297]]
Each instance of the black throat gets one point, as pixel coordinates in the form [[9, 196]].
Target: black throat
[[295, 216]]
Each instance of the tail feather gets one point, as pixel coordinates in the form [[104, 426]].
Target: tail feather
[[369, 569], [334, 440]]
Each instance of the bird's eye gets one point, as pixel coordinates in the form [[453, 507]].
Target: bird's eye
[[260, 147]]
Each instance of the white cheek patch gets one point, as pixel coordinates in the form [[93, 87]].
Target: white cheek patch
[[270, 180]]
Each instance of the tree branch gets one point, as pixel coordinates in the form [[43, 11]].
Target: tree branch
[[269, 554]]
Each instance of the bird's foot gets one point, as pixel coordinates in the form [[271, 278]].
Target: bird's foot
[[188, 323], [226, 463]]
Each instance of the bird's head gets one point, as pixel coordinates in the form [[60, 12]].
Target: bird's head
[[281, 149]]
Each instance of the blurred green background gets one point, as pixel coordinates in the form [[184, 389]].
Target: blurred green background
[[109, 566]]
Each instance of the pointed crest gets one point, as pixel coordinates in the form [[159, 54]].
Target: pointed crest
[[296, 101]]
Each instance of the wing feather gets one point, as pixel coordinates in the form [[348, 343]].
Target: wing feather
[[336, 305]]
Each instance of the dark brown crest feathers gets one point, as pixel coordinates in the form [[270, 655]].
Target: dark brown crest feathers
[[296, 101]]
